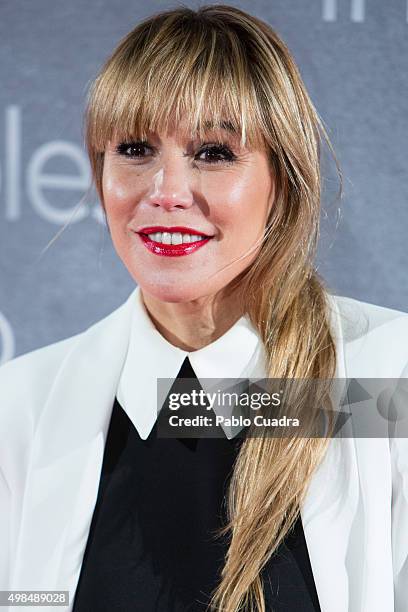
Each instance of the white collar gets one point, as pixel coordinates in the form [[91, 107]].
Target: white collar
[[239, 353]]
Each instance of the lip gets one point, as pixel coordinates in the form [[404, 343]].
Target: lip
[[172, 250], [174, 228]]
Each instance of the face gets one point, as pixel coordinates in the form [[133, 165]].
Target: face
[[186, 216]]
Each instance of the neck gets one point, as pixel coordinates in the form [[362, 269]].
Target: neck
[[194, 324]]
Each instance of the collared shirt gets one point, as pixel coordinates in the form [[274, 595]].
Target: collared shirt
[[152, 544], [238, 353]]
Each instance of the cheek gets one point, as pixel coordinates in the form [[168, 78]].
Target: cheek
[[241, 206], [120, 197]]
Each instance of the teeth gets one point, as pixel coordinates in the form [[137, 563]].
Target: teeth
[[174, 238]]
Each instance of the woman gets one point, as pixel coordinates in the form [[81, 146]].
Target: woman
[[204, 147]]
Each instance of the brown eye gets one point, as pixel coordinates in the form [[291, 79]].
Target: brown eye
[[216, 153], [135, 149]]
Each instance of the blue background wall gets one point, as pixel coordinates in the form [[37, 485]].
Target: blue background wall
[[353, 57]]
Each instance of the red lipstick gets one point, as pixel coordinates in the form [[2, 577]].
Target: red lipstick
[[174, 228], [172, 250]]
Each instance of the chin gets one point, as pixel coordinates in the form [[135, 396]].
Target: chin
[[172, 293]]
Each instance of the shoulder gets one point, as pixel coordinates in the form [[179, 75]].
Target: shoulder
[[358, 318], [375, 345], [374, 338], [24, 386], [25, 381], [28, 382]]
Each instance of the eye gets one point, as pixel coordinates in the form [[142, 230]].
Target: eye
[[134, 150], [216, 153]]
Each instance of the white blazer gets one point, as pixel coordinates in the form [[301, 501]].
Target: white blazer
[[55, 405]]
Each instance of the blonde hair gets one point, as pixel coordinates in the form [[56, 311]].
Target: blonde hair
[[210, 65]]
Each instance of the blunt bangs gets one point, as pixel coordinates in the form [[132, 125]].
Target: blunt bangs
[[198, 76]]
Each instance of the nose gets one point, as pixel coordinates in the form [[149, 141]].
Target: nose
[[171, 186]]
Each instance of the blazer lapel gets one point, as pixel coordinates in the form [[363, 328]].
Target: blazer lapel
[[67, 455]]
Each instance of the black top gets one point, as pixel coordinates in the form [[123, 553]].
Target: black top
[[152, 545]]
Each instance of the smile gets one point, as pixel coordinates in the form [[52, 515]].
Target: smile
[[172, 241]]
